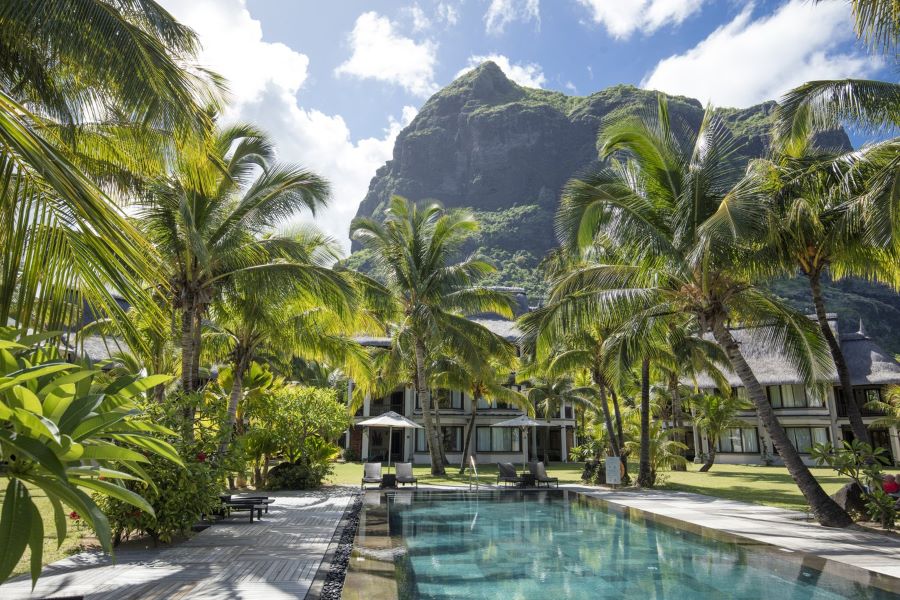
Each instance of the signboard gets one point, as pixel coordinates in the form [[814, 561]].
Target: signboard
[[613, 470]]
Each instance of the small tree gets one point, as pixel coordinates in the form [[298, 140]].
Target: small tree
[[715, 414]]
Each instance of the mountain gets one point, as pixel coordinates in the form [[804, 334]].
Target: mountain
[[505, 151]]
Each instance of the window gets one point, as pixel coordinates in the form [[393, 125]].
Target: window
[[497, 439], [803, 438], [793, 396], [444, 398], [739, 441], [484, 404], [452, 437], [740, 392]]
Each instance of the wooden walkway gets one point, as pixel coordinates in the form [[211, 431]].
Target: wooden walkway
[[271, 559]]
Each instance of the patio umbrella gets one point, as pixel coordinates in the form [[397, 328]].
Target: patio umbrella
[[524, 422], [390, 419]]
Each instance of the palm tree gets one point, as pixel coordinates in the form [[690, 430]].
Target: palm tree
[[549, 395], [715, 414], [212, 220], [487, 379], [666, 202], [431, 294], [280, 318], [663, 452], [89, 93]]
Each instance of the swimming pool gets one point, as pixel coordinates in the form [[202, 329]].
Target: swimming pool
[[561, 544]]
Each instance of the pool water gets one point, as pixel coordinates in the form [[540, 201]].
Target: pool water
[[559, 544]]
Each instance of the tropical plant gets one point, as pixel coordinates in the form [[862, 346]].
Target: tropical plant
[[212, 220], [864, 465], [549, 394], [414, 247], [91, 92], [489, 379], [666, 201], [280, 318], [715, 414], [64, 431], [664, 453]]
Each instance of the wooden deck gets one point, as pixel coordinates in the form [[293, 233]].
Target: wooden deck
[[270, 559]]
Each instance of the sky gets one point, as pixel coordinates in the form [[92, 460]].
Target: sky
[[334, 82]]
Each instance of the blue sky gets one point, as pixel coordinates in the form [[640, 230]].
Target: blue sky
[[334, 82]]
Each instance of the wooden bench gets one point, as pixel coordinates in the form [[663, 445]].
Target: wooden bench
[[249, 506]]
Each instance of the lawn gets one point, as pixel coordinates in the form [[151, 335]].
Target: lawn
[[772, 486], [71, 545]]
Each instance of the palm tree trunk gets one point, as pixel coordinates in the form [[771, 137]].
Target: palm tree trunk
[[546, 437], [645, 475], [860, 431], [604, 407], [468, 441], [237, 390], [711, 457], [676, 418], [431, 435], [440, 429], [826, 510], [626, 478]]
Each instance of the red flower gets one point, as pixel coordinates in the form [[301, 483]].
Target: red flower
[[102, 478], [74, 516], [201, 456]]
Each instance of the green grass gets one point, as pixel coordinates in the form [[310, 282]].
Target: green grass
[[771, 486], [73, 543]]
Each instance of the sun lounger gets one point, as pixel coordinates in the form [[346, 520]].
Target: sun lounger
[[405, 474], [371, 474], [507, 474], [540, 474]]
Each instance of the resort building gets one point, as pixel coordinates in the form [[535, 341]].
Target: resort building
[[459, 413], [809, 415]]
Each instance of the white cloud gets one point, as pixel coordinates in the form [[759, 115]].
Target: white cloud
[[447, 13], [527, 74], [380, 53], [502, 12], [420, 21], [265, 79], [623, 17], [748, 61]]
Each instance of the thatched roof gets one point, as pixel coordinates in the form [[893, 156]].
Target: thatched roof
[[868, 363]]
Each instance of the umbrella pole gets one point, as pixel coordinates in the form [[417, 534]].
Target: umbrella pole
[[522, 443], [390, 444]]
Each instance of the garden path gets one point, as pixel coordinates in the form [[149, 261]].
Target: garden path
[[277, 557]]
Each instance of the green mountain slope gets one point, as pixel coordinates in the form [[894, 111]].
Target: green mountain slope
[[506, 151]]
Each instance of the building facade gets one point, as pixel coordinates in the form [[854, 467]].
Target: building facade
[[810, 415], [462, 417]]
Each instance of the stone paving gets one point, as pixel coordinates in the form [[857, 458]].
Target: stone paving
[[277, 557], [788, 530]]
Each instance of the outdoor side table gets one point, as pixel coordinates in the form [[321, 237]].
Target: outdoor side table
[[527, 480], [389, 480]]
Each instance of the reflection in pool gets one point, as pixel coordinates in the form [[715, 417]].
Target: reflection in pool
[[560, 544]]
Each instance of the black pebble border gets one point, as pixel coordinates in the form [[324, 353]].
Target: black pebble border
[[334, 582]]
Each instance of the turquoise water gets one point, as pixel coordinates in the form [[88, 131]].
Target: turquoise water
[[555, 545]]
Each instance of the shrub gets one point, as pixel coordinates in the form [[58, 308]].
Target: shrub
[[308, 471], [179, 496]]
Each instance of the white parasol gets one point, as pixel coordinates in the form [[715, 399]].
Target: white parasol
[[390, 419]]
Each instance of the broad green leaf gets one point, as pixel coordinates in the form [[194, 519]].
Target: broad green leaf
[[79, 502], [111, 452], [80, 408], [5, 411], [36, 543], [27, 399], [8, 344], [15, 526], [56, 403], [35, 372], [68, 449], [142, 385], [98, 423], [141, 472], [37, 338], [141, 426], [36, 451], [8, 363], [151, 444], [67, 379], [115, 491], [88, 471], [59, 520], [37, 426]]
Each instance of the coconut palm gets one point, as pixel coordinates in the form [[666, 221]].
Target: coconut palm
[[715, 414], [663, 451], [212, 219], [280, 319], [431, 293], [549, 394], [486, 379], [666, 201], [89, 90]]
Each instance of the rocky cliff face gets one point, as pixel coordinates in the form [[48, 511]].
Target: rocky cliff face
[[506, 151]]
